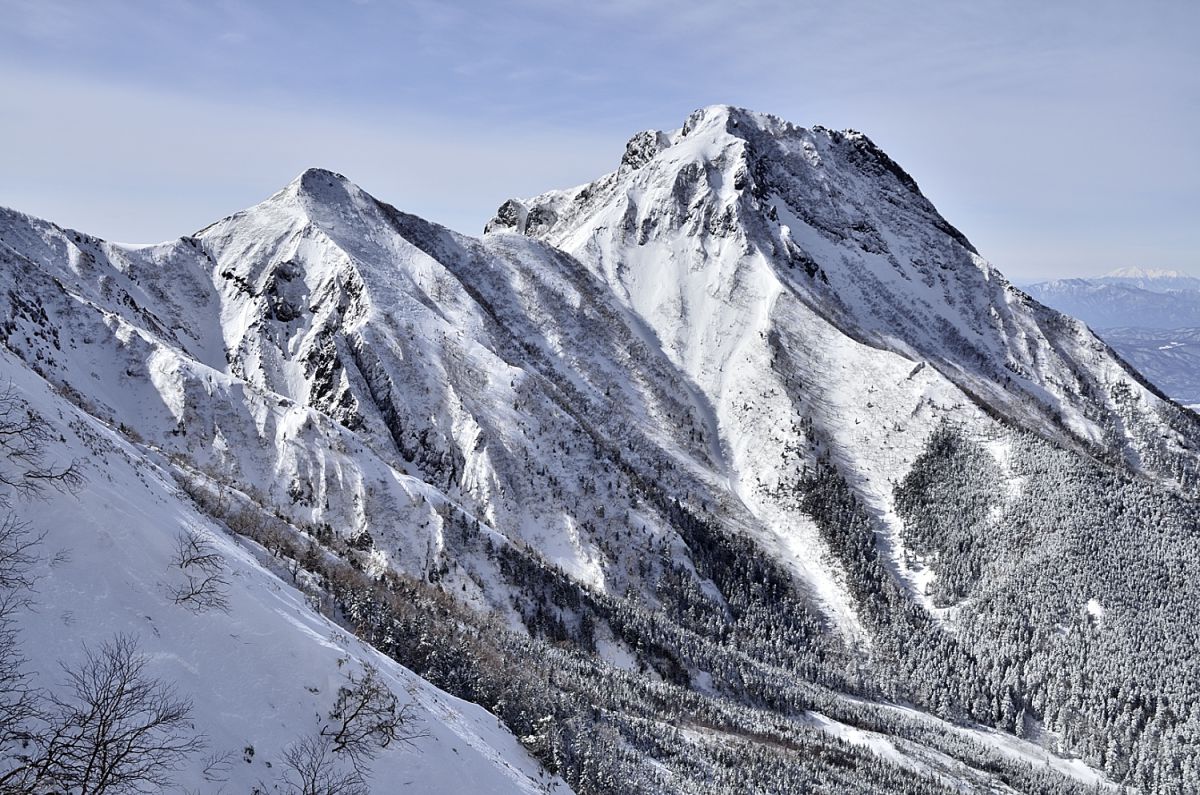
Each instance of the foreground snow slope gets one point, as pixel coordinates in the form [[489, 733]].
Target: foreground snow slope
[[259, 677]]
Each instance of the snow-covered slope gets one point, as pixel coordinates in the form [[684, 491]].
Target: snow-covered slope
[[641, 419], [260, 676], [824, 307]]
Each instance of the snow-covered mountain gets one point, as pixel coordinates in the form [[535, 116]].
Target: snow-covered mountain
[[728, 454], [1149, 317], [1159, 280], [1105, 303], [744, 240]]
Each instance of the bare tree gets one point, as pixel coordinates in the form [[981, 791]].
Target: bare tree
[[367, 717], [120, 730], [313, 768], [24, 435], [194, 550], [20, 701], [24, 473], [217, 767], [204, 586]]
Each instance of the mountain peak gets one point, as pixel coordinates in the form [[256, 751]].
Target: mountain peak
[[319, 196], [736, 208], [316, 174], [716, 174], [718, 120], [1144, 273], [1152, 279], [721, 117], [321, 185], [735, 120]]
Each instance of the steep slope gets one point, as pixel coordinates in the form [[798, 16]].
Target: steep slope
[[260, 675], [798, 273], [661, 490], [315, 306], [373, 375]]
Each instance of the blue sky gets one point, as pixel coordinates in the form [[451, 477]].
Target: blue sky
[[1059, 136]]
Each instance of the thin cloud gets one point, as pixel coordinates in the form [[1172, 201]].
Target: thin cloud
[[1017, 118], [178, 163]]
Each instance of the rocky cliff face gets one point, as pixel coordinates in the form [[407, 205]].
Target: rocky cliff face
[[801, 273]]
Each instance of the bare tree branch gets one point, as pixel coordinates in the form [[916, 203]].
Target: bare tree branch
[[120, 730], [21, 704], [24, 436], [205, 586], [314, 769], [194, 550], [367, 717]]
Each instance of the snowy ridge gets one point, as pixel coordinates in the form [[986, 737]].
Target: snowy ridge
[[1155, 279], [612, 382], [1108, 303], [795, 272]]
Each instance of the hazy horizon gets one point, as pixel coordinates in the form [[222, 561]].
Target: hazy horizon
[[1055, 138]]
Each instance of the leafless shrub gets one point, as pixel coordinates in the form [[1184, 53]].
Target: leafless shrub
[[194, 550], [210, 501], [204, 586], [20, 702], [24, 435], [17, 555], [313, 768], [24, 473], [119, 730], [217, 767], [367, 717]]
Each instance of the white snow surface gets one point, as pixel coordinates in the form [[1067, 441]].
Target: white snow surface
[[798, 274], [259, 677], [949, 770]]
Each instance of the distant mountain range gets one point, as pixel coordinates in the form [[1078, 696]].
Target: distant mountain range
[[1151, 317], [1156, 280]]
